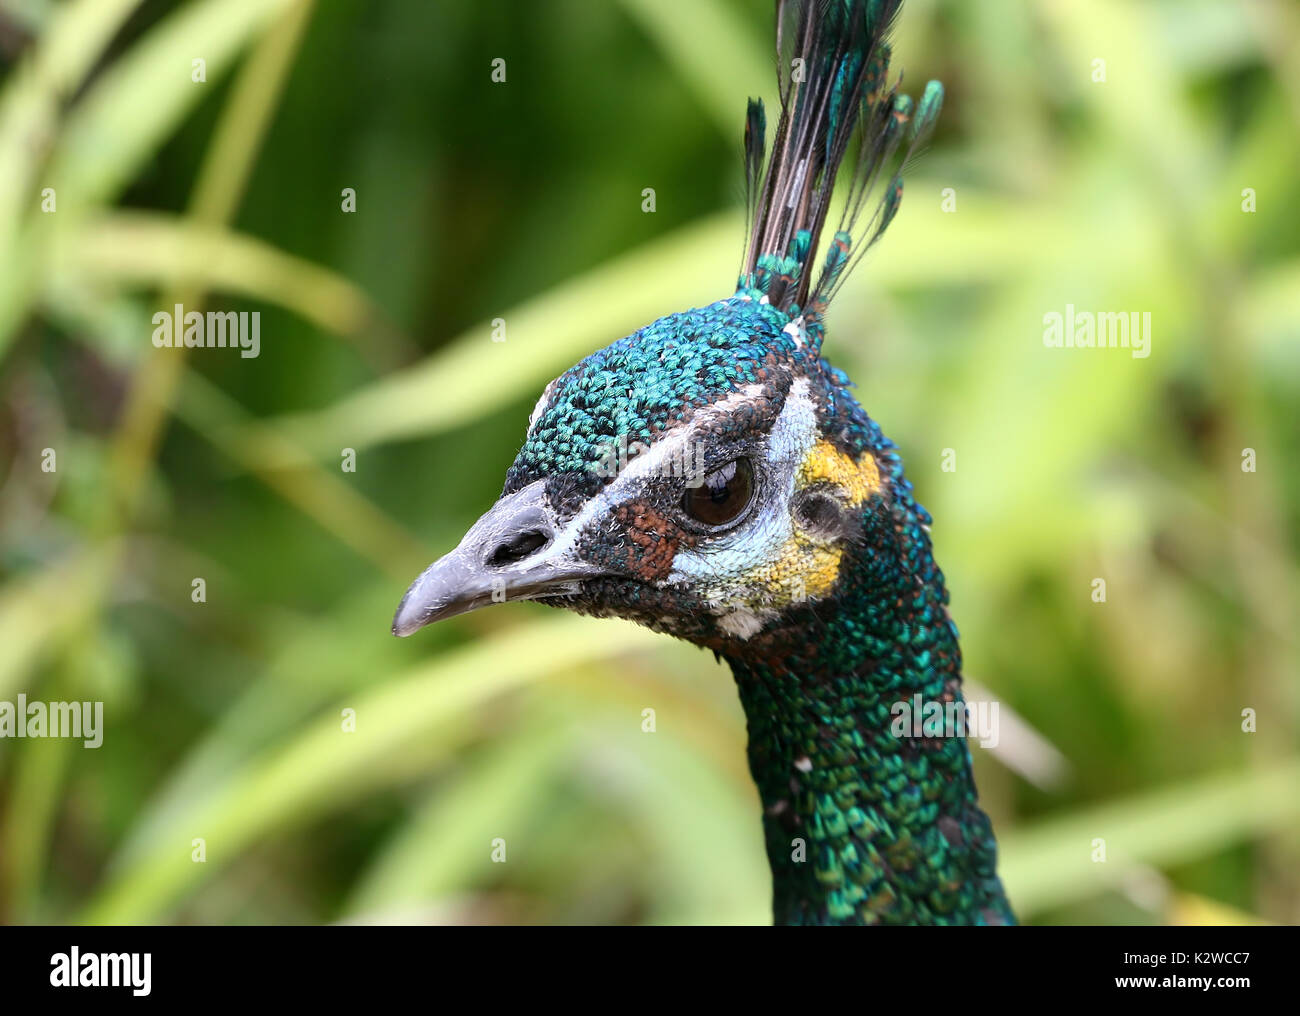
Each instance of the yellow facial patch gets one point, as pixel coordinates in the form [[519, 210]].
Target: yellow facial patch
[[827, 464], [807, 567]]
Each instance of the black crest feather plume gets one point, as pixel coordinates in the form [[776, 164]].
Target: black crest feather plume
[[833, 72]]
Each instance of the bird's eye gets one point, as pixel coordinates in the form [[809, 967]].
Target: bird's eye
[[723, 496]]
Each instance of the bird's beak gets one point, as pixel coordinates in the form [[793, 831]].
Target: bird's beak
[[514, 552]]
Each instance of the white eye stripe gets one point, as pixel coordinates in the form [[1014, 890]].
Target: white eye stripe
[[628, 484], [668, 449], [542, 403], [731, 555], [798, 332]]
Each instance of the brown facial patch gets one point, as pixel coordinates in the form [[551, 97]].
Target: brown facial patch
[[653, 539]]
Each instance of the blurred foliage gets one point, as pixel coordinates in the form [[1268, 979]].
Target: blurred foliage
[[522, 200]]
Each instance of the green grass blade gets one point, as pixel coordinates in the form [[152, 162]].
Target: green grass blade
[[721, 56], [146, 94], [1051, 865], [447, 844], [148, 249], [324, 768]]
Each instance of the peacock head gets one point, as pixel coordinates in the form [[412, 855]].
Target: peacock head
[[709, 474], [704, 476]]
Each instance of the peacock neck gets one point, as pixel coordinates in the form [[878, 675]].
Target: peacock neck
[[866, 822]]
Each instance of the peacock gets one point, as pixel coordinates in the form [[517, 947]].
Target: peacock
[[712, 476]]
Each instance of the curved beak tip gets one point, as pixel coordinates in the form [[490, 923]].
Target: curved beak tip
[[423, 603], [402, 630], [466, 580], [402, 627]]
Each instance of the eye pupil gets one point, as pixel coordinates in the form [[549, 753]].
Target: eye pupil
[[723, 496]]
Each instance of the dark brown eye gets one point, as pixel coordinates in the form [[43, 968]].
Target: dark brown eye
[[724, 494]]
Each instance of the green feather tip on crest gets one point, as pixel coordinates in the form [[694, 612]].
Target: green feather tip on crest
[[928, 110], [838, 88]]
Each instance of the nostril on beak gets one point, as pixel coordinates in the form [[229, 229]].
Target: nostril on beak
[[517, 548]]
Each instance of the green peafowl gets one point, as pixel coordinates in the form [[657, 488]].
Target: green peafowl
[[711, 476]]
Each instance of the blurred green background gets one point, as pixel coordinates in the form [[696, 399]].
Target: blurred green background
[[522, 200]]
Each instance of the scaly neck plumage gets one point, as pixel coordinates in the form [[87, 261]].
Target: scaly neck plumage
[[864, 825]]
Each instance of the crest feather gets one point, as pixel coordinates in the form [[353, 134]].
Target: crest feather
[[833, 70]]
